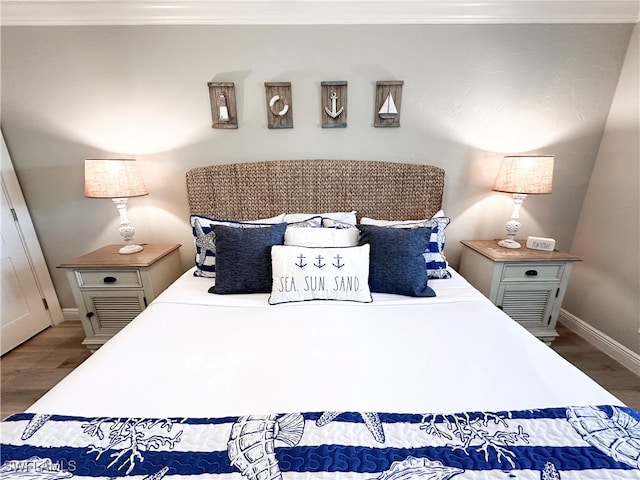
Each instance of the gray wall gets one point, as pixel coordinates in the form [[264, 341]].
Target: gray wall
[[605, 288], [472, 93]]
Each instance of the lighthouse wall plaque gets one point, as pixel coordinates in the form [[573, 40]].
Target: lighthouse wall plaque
[[222, 96], [387, 104], [334, 104]]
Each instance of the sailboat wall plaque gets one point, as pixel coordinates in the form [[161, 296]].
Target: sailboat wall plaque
[[387, 103]]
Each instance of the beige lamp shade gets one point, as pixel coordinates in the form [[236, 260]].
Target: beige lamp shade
[[113, 178], [525, 174]]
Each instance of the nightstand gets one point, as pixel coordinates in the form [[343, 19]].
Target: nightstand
[[111, 289], [528, 285]]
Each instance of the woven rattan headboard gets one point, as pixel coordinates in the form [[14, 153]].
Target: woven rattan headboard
[[248, 191]]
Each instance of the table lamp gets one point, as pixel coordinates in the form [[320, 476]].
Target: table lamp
[[522, 176], [117, 179]]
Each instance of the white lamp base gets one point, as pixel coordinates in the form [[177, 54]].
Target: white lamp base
[[513, 224], [127, 249], [507, 243], [126, 229]]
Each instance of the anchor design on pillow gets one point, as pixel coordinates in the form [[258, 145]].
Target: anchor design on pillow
[[300, 264]]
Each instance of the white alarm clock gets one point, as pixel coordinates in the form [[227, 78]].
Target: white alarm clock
[[541, 243]]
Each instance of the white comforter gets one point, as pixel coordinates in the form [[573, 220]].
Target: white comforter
[[195, 354]]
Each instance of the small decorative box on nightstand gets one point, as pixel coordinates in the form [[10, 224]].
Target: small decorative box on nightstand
[[527, 284], [110, 289]]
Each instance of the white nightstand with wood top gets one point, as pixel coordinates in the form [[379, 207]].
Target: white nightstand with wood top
[[528, 285], [111, 289]]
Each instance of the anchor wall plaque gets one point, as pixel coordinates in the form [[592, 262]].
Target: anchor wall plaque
[[223, 105], [387, 104], [334, 104], [279, 104]]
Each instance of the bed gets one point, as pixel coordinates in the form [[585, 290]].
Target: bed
[[390, 367]]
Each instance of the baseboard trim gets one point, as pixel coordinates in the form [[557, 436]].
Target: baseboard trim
[[70, 314], [595, 337]]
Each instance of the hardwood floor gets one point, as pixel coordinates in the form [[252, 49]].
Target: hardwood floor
[[30, 370], [615, 378]]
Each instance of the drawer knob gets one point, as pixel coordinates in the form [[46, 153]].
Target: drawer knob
[[531, 273], [109, 279]]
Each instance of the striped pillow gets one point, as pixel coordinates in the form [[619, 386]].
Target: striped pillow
[[204, 238], [436, 262]]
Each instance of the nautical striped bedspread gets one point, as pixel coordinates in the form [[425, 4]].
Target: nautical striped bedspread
[[547, 444]]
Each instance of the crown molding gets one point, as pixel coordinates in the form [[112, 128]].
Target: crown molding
[[315, 12]]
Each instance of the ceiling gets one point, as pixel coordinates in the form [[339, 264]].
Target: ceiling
[[315, 12]]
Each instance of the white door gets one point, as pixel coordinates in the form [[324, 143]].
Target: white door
[[23, 312], [26, 289]]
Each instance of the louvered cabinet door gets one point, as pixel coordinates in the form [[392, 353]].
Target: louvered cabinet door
[[529, 305], [111, 289], [110, 311]]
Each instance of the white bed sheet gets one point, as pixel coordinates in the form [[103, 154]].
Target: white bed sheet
[[195, 354]]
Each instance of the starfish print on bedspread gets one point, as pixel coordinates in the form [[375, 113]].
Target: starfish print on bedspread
[[371, 420], [204, 241]]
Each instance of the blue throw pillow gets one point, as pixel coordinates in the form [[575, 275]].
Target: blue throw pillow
[[205, 240], [434, 254], [396, 261], [243, 258]]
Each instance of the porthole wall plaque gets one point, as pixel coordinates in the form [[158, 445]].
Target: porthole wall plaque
[[279, 104]]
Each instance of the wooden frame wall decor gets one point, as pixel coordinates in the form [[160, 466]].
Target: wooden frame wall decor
[[279, 104], [223, 105], [387, 104], [334, 104]]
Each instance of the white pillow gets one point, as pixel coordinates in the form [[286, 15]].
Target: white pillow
[[345, 217], [389, 223], [312, 222], [303, 273], [392, 223], [322, 237]]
